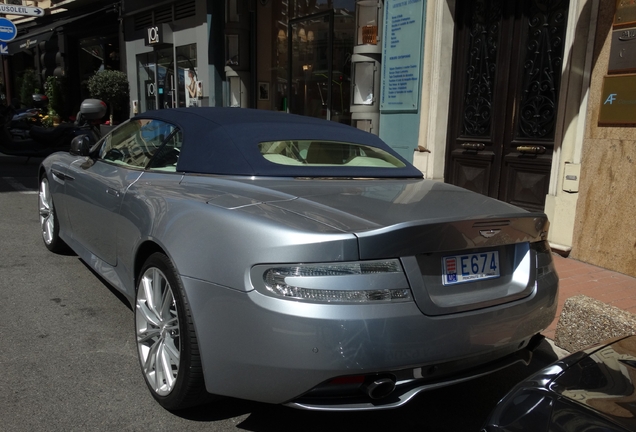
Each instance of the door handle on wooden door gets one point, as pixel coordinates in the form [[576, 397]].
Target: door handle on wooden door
[[531, 149], [473, 146]]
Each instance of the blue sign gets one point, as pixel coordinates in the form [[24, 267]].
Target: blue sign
[[4, 49], [8, 31], [402, 55]]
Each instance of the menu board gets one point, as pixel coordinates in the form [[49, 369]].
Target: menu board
[[402, 55]]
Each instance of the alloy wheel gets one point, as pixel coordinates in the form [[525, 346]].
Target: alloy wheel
[[47, 212], [157, 325]]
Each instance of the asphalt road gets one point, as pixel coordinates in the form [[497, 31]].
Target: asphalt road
[[68, 360]]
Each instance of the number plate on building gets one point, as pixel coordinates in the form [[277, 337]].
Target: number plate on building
[[469, 268]]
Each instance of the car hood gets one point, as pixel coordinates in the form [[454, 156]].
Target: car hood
[[394, 216], [604, 381]]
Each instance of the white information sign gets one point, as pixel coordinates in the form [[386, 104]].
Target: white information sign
[[402, 55], [20, 10]]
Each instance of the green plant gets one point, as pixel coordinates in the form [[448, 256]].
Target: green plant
[[111, 87], [56, 96], [49, 119], [30, 84]]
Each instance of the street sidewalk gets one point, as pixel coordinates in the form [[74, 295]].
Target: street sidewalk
[[576, 277]]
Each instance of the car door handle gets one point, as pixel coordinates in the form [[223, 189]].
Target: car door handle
[[113, 192], [61, 176]]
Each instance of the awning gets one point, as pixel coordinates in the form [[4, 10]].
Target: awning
[[28, 41], [41, 33]]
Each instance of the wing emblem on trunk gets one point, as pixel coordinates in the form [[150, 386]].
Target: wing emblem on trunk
[[489, 233]]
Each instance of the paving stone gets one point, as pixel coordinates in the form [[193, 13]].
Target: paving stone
[[585, 321]]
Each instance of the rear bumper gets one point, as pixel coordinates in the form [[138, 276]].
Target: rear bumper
[[274, 350], [406, 388]]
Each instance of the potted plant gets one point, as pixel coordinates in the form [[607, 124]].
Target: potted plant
[[30, 84], [112, 87], [56, 99]]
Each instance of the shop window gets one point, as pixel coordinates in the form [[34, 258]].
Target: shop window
[[364, 83], [97, 54], [232, 50], [232, 11], [190, 87], [146, 70], [235, 91], [368, 21]]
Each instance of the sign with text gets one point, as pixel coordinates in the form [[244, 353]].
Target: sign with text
[[625, 13], [618, 100], [8, 31], [158, 35], [21, 10], [623, 51], [402, 55]]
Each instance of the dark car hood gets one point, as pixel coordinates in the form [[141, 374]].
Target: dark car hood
[[604, 381], [403, 215]]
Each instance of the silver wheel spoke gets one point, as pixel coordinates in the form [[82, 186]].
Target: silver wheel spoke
[[168, 375], [148, 335], [149, 315]]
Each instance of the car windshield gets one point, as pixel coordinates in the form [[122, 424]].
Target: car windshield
[[327, 153]]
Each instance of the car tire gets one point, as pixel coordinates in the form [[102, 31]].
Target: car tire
[[49, 224], [166, 341]]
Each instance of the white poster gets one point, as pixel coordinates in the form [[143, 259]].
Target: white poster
[[193, 88]]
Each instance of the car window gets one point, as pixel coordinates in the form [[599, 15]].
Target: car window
[[166, 158], [327, 153], [135, 142]]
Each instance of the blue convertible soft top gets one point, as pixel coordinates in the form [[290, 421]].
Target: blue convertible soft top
[[225, 141]]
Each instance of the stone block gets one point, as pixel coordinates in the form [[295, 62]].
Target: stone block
[[585, 321]]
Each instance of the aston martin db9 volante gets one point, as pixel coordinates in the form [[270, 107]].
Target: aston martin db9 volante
[[291, 260]]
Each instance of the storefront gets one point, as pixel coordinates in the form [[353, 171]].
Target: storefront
[[321, 59], [167, 55], [72, 45], [317, 58]]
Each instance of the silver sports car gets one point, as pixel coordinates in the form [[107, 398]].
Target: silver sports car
[[291, 260]]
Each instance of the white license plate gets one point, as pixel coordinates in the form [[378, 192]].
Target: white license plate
[[470, 267]]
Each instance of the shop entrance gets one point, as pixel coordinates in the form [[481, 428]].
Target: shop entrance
[[507, 61], [168, 78], [320, 48]]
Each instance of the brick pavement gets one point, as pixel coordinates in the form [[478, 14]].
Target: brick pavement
[[576, 277]]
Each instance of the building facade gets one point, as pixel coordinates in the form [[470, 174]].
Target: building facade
[[503, 97], [69, 39]]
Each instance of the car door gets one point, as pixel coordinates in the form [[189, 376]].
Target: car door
[[96, 186]]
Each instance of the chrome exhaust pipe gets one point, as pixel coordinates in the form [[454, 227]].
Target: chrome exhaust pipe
[[380, 387]]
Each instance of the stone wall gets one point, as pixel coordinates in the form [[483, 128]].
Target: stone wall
[[605, 224]]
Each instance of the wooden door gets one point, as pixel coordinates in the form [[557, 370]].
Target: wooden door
[[507, 62]]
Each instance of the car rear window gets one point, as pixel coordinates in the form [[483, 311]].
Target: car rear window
[[327, 153]]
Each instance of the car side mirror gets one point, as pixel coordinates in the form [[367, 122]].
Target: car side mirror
[[81, 145]]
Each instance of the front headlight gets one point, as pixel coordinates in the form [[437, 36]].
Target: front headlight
[[350, 282]]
